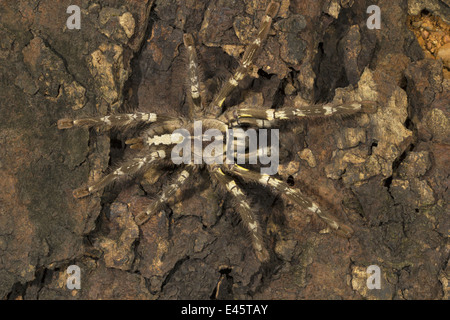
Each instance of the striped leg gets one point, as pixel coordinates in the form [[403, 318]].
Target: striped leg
[[328, 109], [116, 120], [156, 135], [252, 155], [167, 193], [245, 210], [195, 101], [236, 118], [255, 123], [267, 116], [247, 60], [292, 194], [128, 169], [164, 133]]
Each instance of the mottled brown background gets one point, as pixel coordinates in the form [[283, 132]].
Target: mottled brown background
[[385, 174]]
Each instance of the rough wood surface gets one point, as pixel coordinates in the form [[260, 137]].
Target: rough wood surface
[[386, 174]]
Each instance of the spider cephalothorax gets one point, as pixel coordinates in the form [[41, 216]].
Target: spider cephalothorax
[[157, 141]]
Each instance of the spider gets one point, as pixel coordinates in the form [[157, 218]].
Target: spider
[[156, 141]]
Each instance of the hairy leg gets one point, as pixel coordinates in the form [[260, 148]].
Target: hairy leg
[[158, 134], [293, 194], [266, 117], [245, 210], [116, 120], [195, 98], [129, 168], [167, 193], [247, 60]]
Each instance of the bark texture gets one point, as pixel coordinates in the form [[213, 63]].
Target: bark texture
[[385, 174]]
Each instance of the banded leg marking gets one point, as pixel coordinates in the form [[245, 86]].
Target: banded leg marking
[[247, 215], [167, 193], [247, 60], [158, 134], [328, 109], [116, 120], [267, 116], [235, 118], [128, 169], [195, 103], [294, 195]]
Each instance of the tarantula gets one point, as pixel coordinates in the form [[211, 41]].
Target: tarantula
[[156, 141]]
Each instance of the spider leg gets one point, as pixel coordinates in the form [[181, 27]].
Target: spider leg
[[327, 109], [167, 193], [251, 155], [160, 133], [293, 194], [195, 101], [129, 168], [255, 123], [247, 60], [248, 216], [236, 118], [265, 117], [116, 120]]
